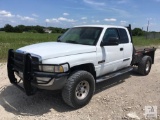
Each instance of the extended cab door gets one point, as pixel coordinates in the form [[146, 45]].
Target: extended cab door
[[110, 57], [125, 40]]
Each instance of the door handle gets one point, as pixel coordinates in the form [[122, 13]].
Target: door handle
[[121, 49]]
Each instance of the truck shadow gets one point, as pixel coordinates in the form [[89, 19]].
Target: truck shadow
[[111, 83], [16, 102], [114, 81]]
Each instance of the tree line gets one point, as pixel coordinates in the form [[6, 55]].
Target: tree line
[[41, 29], [33, 29], [137, 32], [140, 32]]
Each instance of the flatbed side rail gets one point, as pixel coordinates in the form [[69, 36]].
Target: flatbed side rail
[[139, 54]]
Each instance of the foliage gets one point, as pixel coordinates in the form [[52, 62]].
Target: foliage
[[34, 29], [8, 28], [137, 32]]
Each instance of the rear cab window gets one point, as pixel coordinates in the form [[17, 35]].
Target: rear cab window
[[123, 36]]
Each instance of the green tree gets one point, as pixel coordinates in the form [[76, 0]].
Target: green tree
[[1, 29], [21, 28], [137, 32], [54, 31], [8, 28], [39, 29]]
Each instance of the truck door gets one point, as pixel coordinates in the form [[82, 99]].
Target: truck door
[[127, 46], [112, 55]]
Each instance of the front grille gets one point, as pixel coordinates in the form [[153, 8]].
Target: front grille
[[19, 61], [35, 61]]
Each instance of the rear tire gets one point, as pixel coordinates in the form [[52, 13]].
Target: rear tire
[[79, 89], [145, 65]]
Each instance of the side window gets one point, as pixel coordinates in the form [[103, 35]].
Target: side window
[[110, 32], [123, 35]]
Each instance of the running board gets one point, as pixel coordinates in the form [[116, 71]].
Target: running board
[[119, 72]]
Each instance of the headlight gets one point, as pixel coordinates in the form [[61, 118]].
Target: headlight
[[52, 68]]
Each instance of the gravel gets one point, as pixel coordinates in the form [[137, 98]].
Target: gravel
[[120, 98]]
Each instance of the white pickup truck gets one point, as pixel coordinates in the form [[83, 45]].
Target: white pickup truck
[[81, 57]]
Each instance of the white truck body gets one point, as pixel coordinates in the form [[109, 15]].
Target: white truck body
[[81, 57], [76, 54]]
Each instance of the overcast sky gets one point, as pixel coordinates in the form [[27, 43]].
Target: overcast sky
[[68, 13]]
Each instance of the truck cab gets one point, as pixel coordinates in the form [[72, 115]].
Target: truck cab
[[114, 50], [81, 57]]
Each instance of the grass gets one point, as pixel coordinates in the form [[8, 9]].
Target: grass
[[142, 41], [17, 40]]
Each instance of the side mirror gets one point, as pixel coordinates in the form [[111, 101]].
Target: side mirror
[[111, 41], [58, 40]]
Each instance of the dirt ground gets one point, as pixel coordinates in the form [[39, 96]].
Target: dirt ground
[[114, 99]]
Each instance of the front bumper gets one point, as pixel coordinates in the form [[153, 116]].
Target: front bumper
[[33, 79], [49, 81]]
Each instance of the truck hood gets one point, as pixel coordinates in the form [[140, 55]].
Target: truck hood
[[50, 50]]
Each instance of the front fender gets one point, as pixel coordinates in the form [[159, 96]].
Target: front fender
[[74, 60]]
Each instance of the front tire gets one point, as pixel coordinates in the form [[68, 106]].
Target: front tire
[[145, 65], [79, 89]]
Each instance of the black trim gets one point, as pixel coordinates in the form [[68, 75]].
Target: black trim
[[121, 49], [50, 76], [43, 74], [99, 62], [27, 72], [10, 70], [126, 59]]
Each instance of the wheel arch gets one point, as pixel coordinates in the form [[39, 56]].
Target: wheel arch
[[89, 67]]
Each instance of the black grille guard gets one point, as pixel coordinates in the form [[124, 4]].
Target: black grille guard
[[28, 72]]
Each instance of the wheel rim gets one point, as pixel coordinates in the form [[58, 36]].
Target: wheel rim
[[148, 66], [82, 90]]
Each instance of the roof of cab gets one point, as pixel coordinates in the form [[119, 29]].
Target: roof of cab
[[102, 26]]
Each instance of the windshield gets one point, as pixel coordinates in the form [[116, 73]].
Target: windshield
[[82, 35]]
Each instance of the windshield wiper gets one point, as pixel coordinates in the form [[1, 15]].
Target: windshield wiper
[[71, 41], [85, 43], [59, 40]]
